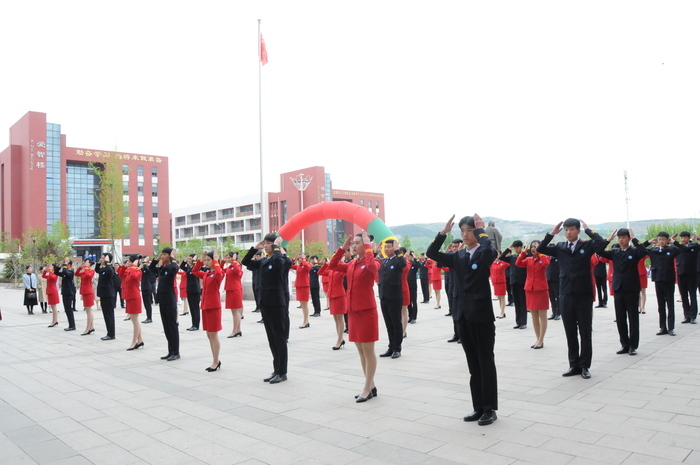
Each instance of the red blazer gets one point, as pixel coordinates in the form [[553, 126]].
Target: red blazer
[[434, 273], [51, 280], [211, 282], [85, 275], [498, 271], [234, 276], [405, 291], [131, 281], [335, 282], [303, 270], [362, 275], [536, 271]]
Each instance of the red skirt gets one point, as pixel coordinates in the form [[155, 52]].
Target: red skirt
[[183, 292], [499, 289], [643, 280], [363, 326], [234, 300], [437, 285], [303, 294], [537, 300], [406, 296], [337, 305], [133, 306], [53, 299], [88, 300], [211, 320]]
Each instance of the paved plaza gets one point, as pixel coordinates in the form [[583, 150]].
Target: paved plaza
[[67, 399]]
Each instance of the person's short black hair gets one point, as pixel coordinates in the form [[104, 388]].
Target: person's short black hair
[[616, 246], [623, 232], [389, 241], [192, 255], [134, 257], [572, 222], [70, 262], [259, 252], [457, 241], [314, 256], [271, 237], [663, 234], [684, 234], [108, 255], [27, 267], [371, 236], [403, 250], [168, 250], [468, 220], [89, 260], [517, 243], [210, 255]]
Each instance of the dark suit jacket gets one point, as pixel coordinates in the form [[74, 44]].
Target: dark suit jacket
[[391, 277], [662, 266], [471, 275], [272, 277], [193, 282], [626, 266], [105, 281], [146, 283], [67, 283], [575, 275], [686, 261], [166, 280], [517, 274], [552, 272], [415, 266]]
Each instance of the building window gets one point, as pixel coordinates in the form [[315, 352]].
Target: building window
[[140, 188], [154, 171], [248, 238], [125, 186], [245, 210], [142, 234], [362, 203], [194, 218], [139, 170], [201, 230], [227, 213], [155, 210], [125, 170], [82, 206], [154, 190], [210, 216], [180, 221], [255, 223], [140, 209]]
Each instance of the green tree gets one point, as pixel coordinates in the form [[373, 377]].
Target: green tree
[[448, 239], [671, 228], [113, 216], [312, 248], [405, 242], [49, 247]]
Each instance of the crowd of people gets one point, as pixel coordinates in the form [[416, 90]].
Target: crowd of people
[[564, 277]]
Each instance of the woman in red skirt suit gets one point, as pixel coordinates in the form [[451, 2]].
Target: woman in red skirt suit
[[211, 302], [498, 279], [536, 290], [405, 290], [435, 276], [234, 291], [87, 292], [325, 282], [52, 291], [363, 321], [335, 292], [130, 275], [182, 287], [643, 282]]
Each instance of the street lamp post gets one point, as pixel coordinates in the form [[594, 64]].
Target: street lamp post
[[301, 182], [34, 252]]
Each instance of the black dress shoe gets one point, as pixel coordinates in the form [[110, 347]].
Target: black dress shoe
[[488, 417], [374, 392], [278, 379], [315, 314], [396, 355], [573, 371], [694, 321], [107, 338], [413, 322], [671, 332], [453, 339], [267, 380], [359, 399], [173, 357], [623, 350], [585, 374], [147, 320], [388, 353], [307, 325], [68, 329], [193, 328], [662, 332], [557, 317], [633, 351], [475, 415], [516, 327], [551, 317], [686, 321], [165, 357]]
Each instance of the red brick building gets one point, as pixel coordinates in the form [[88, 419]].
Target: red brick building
[[42, 181]]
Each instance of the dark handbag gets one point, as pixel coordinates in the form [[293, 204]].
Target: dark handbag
[[31, 294]]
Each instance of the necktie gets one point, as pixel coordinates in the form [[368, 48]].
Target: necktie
[[571, 246]]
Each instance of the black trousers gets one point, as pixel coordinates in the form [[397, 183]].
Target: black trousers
[[688, 286], [577, 315], [554, 296], [107, 304], [478, 340], [627, 309], [518, 290], [413, 306], [193, 302], [168, 316], [316, 299], [508, 290], [664, 299], [275, 320], [256, 295], [147, 297], [68, 303], [601, 284], [391, 310], [425, 288]]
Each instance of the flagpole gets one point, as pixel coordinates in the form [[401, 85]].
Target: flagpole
[[263, 220]]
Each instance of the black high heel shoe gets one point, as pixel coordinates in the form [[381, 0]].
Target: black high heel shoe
[[340, 346], [374, 393], [364, 399], [210, 369], [55, 324], [140, 344]]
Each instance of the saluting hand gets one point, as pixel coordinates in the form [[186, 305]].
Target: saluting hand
[[612, 236], [478, 222], [557, 228], [448, 226]]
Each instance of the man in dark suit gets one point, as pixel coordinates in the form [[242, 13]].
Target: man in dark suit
[[473, 310], [518, 276], [686, 267], [106, 292], [67, 291], [167, 272], [194, 290], [424, 275], [315, 285], [600, 273], [413, 262], [273, 272], [575, 289], [663, 273], [552, 275], [626, 286], [391, 295], [147, 289]]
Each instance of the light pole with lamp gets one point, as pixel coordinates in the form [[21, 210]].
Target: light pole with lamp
[[34, 252], [301, 182]]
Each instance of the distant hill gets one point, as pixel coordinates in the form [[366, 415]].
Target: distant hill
[[421, 235]]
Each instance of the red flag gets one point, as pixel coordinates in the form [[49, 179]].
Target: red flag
[[263, 51]]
